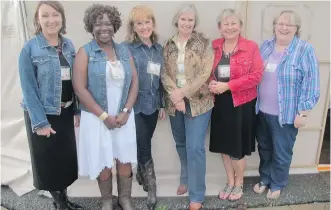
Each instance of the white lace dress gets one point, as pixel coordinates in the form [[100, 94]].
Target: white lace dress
[[98, 146]]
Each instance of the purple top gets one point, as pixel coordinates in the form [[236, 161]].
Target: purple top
[[268, 88]]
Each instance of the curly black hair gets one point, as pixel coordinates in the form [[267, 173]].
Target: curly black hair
[[96, 10]]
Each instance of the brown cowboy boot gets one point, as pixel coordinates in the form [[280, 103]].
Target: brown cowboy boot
[[106, 188], [124, 186], [150, 181]]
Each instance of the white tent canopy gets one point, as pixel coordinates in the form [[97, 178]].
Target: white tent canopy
[[17, 26]]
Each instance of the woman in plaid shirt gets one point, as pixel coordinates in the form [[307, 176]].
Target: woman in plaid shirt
[[290, 88]]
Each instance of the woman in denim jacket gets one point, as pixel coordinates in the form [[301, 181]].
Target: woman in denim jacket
[[45, 65], [290, 88], [106, 83], [147, 54]]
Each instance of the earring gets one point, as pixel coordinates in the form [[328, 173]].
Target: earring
[[152, 36]]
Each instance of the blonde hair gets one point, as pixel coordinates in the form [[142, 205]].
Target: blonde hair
[[136, 14], [185, 8], [295, 20], [227, 13]]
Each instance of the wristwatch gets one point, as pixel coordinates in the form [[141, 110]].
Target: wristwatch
[[126, 110]]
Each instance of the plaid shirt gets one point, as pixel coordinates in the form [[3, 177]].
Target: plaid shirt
[[298, 78]]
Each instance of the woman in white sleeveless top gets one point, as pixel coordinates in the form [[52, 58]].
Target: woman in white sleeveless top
[[106, 83]]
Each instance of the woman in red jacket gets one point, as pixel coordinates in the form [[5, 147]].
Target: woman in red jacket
[[237, 71]]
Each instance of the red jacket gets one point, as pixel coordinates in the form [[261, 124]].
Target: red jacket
[[246, 69]]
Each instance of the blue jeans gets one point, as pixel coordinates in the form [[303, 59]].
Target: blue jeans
[[189, 134], [275, 144]]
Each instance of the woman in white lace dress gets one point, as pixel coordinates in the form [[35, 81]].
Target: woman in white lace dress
[[106, 84]]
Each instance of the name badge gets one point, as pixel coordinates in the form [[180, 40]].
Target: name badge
[[181, 68], [65, 73], [181, 83], [270, 67], [223, 71], [116, 71], [153, 68]]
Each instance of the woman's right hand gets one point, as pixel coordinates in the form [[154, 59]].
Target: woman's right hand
[[180, 106], [110, 122], [211, 84], [45, 131]]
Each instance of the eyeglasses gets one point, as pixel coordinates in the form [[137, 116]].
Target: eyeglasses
[[287, 25]]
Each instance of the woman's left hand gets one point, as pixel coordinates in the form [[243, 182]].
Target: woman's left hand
[[77, 120], [122, 118], [176, 96], [299, 121], [162, 114], [219, 87]]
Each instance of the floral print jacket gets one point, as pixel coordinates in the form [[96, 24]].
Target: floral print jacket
[[198, 67]]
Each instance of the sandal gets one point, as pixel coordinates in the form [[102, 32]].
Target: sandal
[[274, 194], [259, 188], [226, 192], [237, 191]]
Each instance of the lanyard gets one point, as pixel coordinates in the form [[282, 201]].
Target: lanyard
[[149, 59]]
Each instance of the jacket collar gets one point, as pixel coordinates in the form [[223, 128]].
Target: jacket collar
[[96, 47], [138, 43], [42, 41], [288, 49], [218, 44], [192, 37], [118, 47]]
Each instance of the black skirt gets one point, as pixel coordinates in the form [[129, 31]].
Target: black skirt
[[232, 128], [54, 159]]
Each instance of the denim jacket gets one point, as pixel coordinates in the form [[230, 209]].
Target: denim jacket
[[96, 75], [40, 75], [150, 87]]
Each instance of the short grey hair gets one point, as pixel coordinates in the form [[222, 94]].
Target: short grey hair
[[185, 8], [296, 20], [227, 13]]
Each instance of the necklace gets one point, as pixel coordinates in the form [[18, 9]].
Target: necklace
[[229, 54], [58, 47], [115, 57]]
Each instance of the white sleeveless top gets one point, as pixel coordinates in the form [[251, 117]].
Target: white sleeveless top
[[99, 146]]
